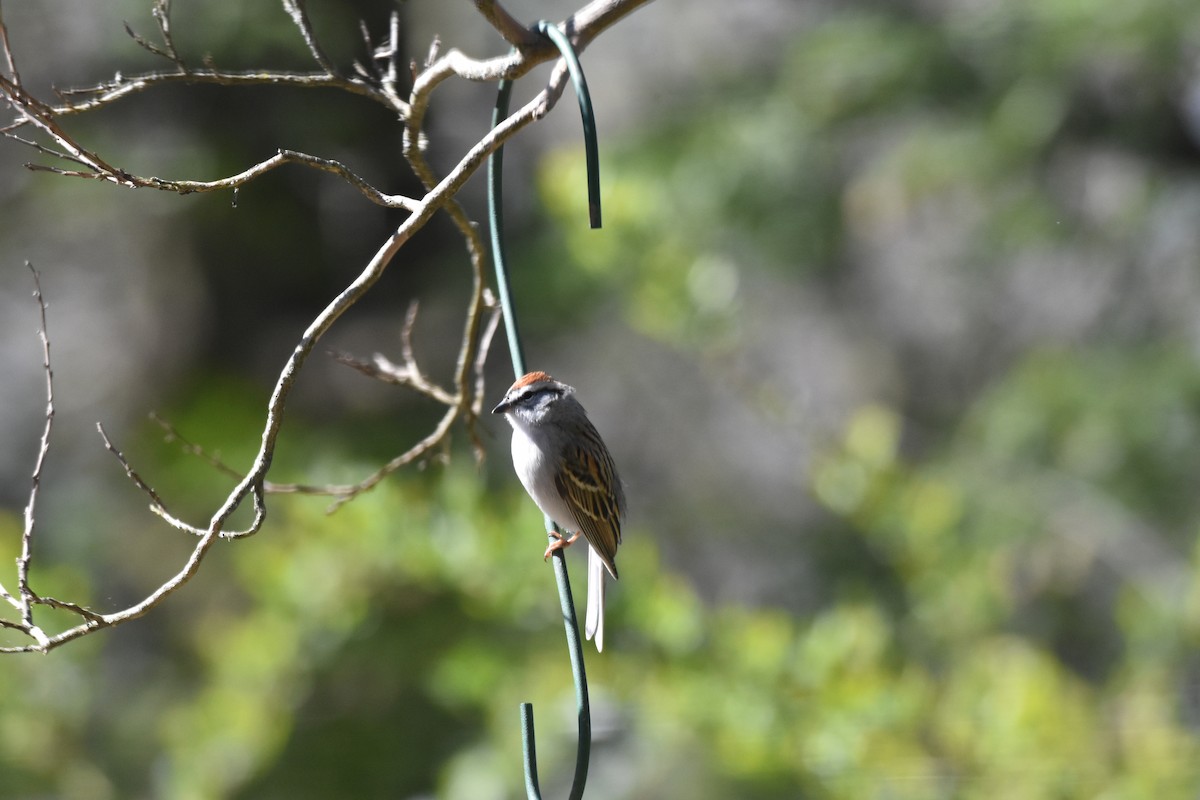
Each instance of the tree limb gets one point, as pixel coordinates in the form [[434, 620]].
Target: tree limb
[[463, 400]]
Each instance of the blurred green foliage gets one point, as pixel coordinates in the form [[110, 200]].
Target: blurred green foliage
[[1024, 619], [1044, 616]]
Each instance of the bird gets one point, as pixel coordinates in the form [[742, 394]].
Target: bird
[[566, 468]]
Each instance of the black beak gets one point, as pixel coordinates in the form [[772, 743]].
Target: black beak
[[501, 408]]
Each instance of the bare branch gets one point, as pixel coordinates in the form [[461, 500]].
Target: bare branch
[[407, 375], [38, 114], [27, 598], [436, 198], [242, 178], [391, 53], [26, 556], [485, 343], [94, 621], [162, 15], [433, 201], [346, 493], [12, 601], [597, 16], [512, 31], [582, 27], [43, 149], [62, 605], [463, 401], [33, 112], [90, 98], [9, 60], [298, 11], [382, 68], [461, 406], [155, 501], [43, 117]]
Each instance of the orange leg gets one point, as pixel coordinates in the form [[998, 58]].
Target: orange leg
[[559, 543]]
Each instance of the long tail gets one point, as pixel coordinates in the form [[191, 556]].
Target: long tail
[[594, 625]]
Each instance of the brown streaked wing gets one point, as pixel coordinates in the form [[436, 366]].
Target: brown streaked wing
[[587, 484]]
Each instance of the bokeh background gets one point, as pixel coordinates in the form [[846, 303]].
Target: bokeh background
[[893, 328]]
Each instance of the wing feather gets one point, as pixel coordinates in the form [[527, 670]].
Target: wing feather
[[591, 488]]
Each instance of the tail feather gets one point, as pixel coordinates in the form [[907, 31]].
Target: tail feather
[[594, 625]]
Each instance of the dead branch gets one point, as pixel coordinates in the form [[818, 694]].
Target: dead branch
[[236, 181], [26, 556], [506, 25], [26, 598], [298, 10], [376, 81]]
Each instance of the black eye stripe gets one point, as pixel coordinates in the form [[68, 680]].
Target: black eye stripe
[[531, 393]]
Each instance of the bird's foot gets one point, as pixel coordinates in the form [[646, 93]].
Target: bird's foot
[[560, 543]]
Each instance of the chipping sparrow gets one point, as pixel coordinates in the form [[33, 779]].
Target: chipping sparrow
[[564, 465]]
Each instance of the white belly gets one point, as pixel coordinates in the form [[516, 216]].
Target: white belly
[[535, 469]]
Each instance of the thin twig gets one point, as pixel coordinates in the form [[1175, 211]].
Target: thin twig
[[581, 27], [43, 149], [485, 343], [39, 115], [63, 605], [193, 449], [242, 178], [43, 117], [366, 69], [414, 154], [392, 53], [26, 556], [129, 471], [162, 15], [410, 376], [9, 59], [156, 503], [12, 601], [298, 11], [122, 86], [345, 493]]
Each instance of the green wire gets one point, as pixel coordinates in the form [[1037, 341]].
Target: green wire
[[496, 225], [495, 196], [590, 149]]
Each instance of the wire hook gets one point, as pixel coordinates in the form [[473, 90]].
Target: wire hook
[[590, 149], [516, 351]]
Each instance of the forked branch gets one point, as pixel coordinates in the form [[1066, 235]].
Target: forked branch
[[37, 124]]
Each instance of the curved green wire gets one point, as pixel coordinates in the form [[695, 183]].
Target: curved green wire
[[495, 194], [590, 149], [496, 225]]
